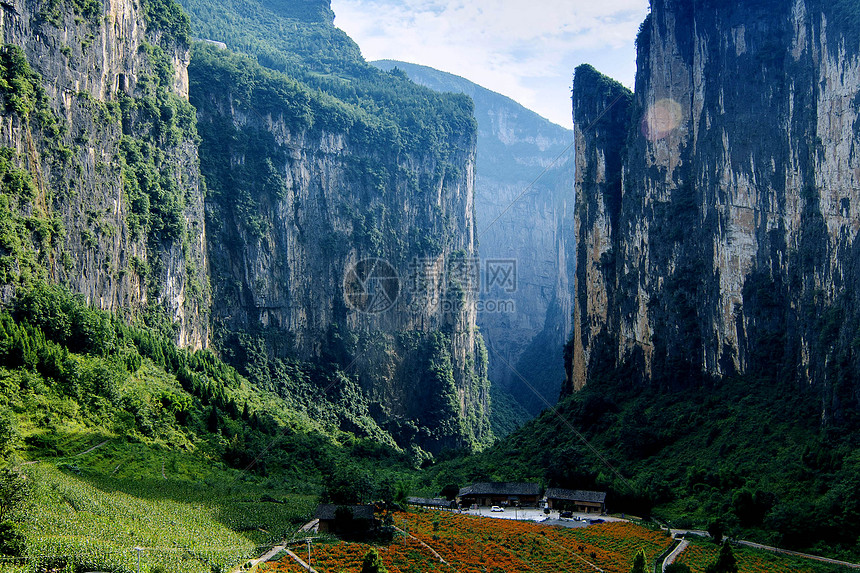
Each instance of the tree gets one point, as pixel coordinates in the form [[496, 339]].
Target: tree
[[347, 485], [9, 434], [677, 568], [213, 420], [639, 562], [401, 494], [715, 529], [725, 563], [450, 491], [372, 563], [12, 540]]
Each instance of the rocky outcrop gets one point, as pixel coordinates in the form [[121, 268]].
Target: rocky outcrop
[[524, 214], [734, 247], [600, 118], [330, 241], [107, 83]]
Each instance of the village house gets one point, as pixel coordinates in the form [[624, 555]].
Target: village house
[[345, 518], [575, 500], [500, 493], [433, 503]]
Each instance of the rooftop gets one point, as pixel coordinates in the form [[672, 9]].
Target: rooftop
[[509, 488], [327, 511], [575, 495], [434, 502]]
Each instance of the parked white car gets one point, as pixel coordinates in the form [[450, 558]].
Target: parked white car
[[496, 508]]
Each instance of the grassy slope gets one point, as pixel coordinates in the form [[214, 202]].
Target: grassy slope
[[192, 458]]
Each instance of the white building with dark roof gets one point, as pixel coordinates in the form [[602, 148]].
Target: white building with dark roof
[[505, 493]]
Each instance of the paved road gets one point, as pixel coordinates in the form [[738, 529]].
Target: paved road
[[796, 554], [537, 515], [678, 532], [675, 552]]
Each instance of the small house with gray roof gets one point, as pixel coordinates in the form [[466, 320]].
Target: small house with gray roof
[[579, 500], [345, 518]]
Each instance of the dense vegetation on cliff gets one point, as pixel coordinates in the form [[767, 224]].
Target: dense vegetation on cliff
[[315, 54], [313, 160]]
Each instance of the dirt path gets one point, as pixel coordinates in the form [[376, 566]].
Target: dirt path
[[298, 560], [433, 551], [95, 447], [251, 565]]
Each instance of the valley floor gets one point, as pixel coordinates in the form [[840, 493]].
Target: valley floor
[[467, 543]]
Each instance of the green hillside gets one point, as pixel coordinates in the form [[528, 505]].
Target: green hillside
[[303, 44], [121, 439]]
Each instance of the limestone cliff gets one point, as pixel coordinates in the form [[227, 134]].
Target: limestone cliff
[[96, 115], [733, 243], [524, 212], [314, 210], [339, 214]]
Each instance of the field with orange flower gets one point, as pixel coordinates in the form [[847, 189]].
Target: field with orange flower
[[471, 544], [482, 545]]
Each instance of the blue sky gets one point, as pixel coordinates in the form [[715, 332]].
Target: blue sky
[[524, 49]]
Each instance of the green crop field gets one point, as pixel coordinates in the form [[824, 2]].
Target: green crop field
[[98, 522]]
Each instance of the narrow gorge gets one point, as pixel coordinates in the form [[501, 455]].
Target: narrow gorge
[[524, 214]]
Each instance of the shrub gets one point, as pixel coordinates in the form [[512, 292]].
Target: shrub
[[372, 563]]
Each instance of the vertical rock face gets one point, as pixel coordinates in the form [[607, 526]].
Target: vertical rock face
[[110, 113], [331, 240], [601, 112], [523, 209], [735, 244]]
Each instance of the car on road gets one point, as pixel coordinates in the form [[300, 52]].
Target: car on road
[[566, 514], [496, 508]]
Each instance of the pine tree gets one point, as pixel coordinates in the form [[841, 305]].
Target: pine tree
[[725, 563], [212, 422], [639, 562]]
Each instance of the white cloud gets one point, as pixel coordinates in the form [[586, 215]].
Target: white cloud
[[524, 49]]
